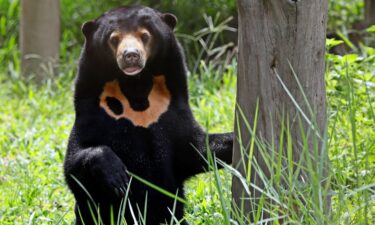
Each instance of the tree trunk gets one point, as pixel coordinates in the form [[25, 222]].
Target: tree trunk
[[275, 36], [39, 36], [370, 12]]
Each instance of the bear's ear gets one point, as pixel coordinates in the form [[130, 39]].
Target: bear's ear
[[170, 19], [88, 28]]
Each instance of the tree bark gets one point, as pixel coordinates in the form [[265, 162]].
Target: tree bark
[[39, 36], [370, 12], [274, 37]]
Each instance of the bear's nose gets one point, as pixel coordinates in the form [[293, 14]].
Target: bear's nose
[[131, 55]]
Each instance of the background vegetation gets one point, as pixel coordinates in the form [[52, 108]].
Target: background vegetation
[[35, 120]]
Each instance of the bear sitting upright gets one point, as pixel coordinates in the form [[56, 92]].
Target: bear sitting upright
[[133, 116]]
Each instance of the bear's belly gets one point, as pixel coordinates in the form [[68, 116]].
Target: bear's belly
[[148, 155], [117, 106], [144, 151]]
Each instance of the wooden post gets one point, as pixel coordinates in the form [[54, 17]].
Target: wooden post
[[370, 12], [275, 36], [39, 36]]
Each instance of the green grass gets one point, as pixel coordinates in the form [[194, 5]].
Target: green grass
[[35, 122]]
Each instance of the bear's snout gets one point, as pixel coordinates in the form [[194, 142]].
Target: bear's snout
[[131, 62], [131, 56]]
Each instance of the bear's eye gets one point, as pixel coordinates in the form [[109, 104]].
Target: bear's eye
[[114, 40], [145, 37]]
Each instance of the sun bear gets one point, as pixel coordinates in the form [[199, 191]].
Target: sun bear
[[133, 117]]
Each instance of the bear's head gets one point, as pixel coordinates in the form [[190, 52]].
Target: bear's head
[[130, 37]]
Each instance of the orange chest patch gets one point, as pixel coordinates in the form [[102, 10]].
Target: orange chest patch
[[159, 100]]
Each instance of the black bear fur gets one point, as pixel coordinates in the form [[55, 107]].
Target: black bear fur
[[102, 149]]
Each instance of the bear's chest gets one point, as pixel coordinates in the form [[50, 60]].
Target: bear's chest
[[117, 106]]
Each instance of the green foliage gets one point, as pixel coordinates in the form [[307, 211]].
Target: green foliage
[[189, 13], [343, 13], [9, 35], [351, 96]]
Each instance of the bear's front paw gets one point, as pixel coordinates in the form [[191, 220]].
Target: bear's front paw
[[110, 174], [116, 180]]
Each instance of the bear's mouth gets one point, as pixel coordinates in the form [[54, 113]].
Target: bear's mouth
[[132, 70]]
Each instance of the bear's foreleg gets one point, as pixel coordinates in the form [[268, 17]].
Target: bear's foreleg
[[98, 170], [97, 178], [221, 144], [192, 159]]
